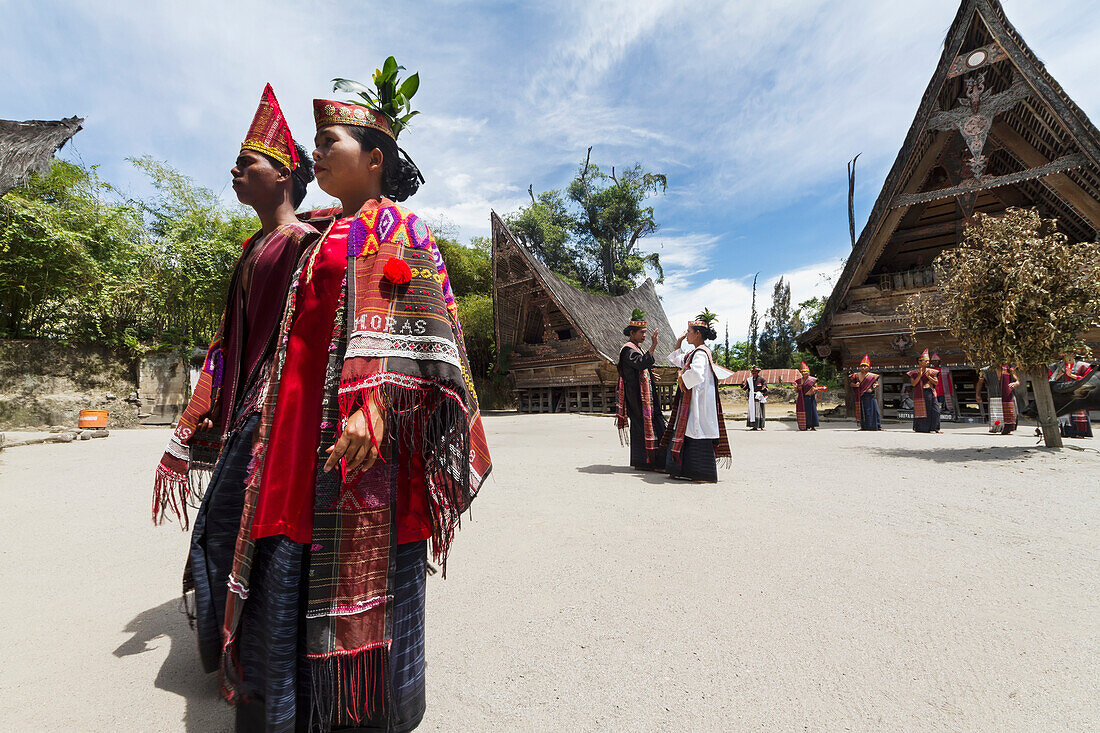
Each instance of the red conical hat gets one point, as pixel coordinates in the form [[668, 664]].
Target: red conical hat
[[803, 367], [935, 356], [924, 354], [269, 134], [865, 360]]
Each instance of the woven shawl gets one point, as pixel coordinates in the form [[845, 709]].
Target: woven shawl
[[646, 401], [920, 410], [801, 386], [862, 385], [400, 347], [192, 453], [674, 435]]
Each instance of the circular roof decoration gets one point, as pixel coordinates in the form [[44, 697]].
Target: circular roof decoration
[[976, 59]]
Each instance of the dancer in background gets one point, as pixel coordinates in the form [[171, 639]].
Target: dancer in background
[[864, 382], [945, 387], [639, 406], [805, 403], [926, 410], [757, 390], [1077, 424], [989, 377]]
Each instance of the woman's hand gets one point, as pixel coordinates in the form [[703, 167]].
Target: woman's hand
[[355, 442], [206, 424]]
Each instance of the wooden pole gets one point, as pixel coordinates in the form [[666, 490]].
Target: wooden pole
[[1044, 401]]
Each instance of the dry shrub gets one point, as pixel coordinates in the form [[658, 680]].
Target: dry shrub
[[1014, 291]]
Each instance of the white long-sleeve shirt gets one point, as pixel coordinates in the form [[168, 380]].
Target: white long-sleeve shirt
[[699, 378]]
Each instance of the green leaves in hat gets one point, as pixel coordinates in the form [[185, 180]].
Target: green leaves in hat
[[637, 315], [707, 317], [391, 96]]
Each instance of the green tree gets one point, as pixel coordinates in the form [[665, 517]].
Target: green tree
[[62, 246], [470, 268], [545, 228], [754, 327], [1015, 291], [592, 235], [78, 261], [808, 313], [735, 357], [777, 341]]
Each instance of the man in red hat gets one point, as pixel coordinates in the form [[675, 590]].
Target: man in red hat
[[865, 384], [805, 403], [945, 387], [926, 411], [270, 175]]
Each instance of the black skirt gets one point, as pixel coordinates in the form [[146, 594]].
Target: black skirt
[[697, 461]]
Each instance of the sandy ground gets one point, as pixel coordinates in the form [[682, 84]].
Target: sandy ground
[[832, 581]]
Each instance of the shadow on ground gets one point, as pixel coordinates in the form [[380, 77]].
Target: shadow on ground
[[941, 454], [181, 672], [650, 477]]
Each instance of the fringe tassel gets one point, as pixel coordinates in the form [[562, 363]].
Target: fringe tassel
[[624, 436], [348, 688], [170, 492], [433, 421], [188, 604], [198, 481]]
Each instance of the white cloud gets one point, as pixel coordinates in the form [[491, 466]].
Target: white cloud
[[684, 294]]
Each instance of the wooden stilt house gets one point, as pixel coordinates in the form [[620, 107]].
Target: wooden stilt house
[[993, 130], [561, 344]]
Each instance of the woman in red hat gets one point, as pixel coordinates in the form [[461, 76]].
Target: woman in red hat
[[370, 446]]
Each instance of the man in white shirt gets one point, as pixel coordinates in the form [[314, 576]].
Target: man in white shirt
[[696, 436]]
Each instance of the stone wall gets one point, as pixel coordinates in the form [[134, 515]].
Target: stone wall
[[45, 383]]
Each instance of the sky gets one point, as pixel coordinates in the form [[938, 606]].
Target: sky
[[751, 109]]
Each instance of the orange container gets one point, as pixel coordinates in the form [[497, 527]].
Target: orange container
[[93, 419]]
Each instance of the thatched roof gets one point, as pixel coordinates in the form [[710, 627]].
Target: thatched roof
[[27, 147], [980, 22], [599, 318]]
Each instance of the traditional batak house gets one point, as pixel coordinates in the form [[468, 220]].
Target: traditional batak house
[[561, 344], [27, 147], [993, 130]]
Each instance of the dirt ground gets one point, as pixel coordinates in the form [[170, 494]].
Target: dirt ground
[[834, 580]]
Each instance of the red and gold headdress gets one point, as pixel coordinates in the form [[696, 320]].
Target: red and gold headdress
[[269, 133], [924, 354], [330, 112], [705, 319], [935, 356], [637, 319], [803, 367], [865, 360]]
